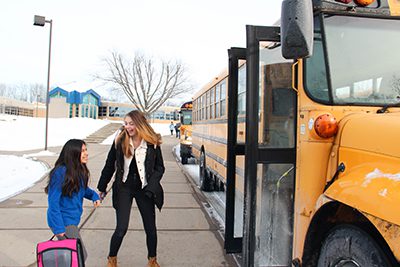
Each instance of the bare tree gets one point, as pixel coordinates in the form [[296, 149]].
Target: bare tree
[[12, 91], [147, 83], [116, 95], [37, 93], [3, 89], [24, 92]]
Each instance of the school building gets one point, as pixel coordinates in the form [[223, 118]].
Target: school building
[[88, 104]]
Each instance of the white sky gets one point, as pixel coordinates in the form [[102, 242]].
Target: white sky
[[19, 133], [196, 32]]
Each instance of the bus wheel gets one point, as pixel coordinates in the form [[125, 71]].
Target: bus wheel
[[205, 183], [221, 186], [184, 159], [218, 185], [348, 246]]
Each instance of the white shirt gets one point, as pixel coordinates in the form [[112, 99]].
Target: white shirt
[[140, 156]]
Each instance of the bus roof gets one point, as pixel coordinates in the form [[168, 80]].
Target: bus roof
[[212, 83], [187, 106]]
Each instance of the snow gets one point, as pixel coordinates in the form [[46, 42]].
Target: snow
[[20, 133], [18, 174]]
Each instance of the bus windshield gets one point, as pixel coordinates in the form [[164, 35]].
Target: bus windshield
[[186, 116], [363, 63]]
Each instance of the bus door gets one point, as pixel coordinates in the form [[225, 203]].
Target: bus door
[[235, 152], [270, 151]]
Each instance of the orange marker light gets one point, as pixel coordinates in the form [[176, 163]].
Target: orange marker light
[[326, 126], [363, 2]]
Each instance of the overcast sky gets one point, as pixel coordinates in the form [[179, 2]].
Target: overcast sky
[[198, 33]]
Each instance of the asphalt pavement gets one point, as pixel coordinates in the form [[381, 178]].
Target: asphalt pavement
[[187, 235]]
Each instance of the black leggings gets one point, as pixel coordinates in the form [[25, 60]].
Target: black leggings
[[123, 211]]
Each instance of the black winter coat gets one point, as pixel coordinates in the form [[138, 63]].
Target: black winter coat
[[154, 170]]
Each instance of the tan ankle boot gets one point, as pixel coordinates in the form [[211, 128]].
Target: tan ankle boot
[[112, 261], [153, 262]]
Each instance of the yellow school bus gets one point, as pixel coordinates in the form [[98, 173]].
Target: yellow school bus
[[319, 143], [185, 131], [209, 132]]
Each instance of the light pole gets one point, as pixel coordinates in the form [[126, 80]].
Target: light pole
[[41, 21]]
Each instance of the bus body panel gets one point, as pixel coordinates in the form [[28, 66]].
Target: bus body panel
[[394, 6], [212, 139], [371, 133], [370, 183]]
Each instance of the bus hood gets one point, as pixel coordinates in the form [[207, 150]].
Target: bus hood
[[375, 133], [370, 150]]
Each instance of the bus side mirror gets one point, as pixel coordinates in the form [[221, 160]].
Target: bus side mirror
[[297, 28]]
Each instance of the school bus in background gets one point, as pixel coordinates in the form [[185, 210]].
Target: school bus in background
[[209, 132], [319, 142], [186, 131]]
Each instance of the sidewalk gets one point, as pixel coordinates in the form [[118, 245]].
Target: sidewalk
[[186, 235]]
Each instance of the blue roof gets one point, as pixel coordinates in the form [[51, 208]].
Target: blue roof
[[75, 97], [58, 90]]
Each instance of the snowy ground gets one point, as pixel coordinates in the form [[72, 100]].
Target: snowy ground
[[18, 133]]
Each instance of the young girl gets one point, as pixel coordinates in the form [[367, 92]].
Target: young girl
[[67, 186], [136, 159]]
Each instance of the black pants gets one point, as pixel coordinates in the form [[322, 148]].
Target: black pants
[[123, 211]]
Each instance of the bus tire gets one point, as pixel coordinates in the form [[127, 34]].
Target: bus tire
[[348, 245], [221, 186], [204, 175], [218, 185], [184, 159]]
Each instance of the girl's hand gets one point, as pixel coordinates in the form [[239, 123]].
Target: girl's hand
[[61, 236], [96, 203]]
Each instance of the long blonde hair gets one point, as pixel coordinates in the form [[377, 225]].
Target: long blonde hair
[[143, 129]]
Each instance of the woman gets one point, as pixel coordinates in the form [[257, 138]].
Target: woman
[[136, 158], [67, 186]]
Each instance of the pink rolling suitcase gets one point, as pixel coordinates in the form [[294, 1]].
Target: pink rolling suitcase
[[60, 253]]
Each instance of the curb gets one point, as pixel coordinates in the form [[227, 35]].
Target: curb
[[206, 208]]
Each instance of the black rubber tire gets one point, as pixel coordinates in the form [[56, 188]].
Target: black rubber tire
[[347, 245], [184, 159], [218, 184], [221, 186], [205, 183]]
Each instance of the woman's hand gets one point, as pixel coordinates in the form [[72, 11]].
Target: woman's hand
[[102, 195], [96, 203]]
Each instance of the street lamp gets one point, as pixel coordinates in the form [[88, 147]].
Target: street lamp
[[41, 21]]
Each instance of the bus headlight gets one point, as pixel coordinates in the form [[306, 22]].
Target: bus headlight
[[363, 2], [326, 126]]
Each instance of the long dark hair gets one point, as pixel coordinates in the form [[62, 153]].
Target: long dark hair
[[76, 172]]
